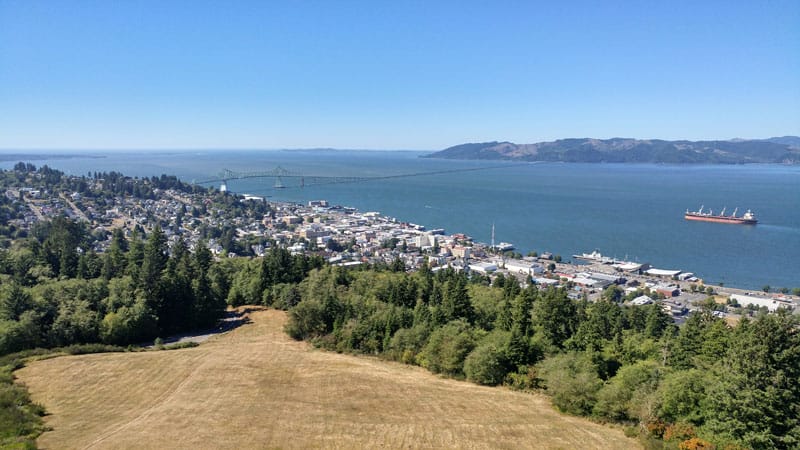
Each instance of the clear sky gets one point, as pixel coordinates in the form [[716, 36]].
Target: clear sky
[[392, 74]]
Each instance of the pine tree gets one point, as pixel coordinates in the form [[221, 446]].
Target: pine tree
[[555, 316], [135, 256], [456, 303], [757, 398], [154, 261]]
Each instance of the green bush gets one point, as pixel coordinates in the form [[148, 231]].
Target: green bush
[[407, 343], [306, 320], [525, 378], [82, 349], [620, 398], [20, 419], [180, 345], [490, 362], [447, 348], [572, 381], [487, 365]]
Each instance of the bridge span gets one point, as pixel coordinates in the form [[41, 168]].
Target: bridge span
[[285, 179]]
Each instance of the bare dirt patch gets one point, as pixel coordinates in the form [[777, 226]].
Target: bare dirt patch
[[256, 388]]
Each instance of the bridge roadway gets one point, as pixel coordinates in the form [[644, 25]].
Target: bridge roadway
[[279, 173]]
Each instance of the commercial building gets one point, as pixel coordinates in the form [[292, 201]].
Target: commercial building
[[771, 304], [523, 267]]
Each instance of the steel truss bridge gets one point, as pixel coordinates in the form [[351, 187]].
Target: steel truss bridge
[[285, 179]]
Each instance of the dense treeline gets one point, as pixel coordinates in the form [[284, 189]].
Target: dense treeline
[[701, 385], [56, 293], [53, 294]]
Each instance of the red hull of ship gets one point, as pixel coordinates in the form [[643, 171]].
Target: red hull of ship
[[719, 219]]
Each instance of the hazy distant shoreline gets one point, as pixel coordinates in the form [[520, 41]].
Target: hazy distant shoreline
[[43, 156]]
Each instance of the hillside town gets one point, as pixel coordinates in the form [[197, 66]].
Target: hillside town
[[234, 225]]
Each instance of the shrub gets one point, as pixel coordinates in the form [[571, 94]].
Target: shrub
[[656, 428], [82, 349], [679, 431], [526, 377], [180, 345], [407, 342], [306, 320], [486, 365], [447, 348], [20, 419], [620, 398], [695, 443], [572, 381]]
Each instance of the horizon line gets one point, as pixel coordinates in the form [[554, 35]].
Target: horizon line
[[326, 148]]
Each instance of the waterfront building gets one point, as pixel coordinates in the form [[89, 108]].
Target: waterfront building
[[483, 268], [523, 267], [772, 304]]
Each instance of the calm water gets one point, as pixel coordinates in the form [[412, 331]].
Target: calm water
[[633, 211]]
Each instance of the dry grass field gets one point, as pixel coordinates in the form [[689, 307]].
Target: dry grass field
[[256, 388]]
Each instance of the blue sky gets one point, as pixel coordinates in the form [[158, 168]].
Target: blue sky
[[392, 75]]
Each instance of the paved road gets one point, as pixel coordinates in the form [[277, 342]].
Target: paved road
[[74, 208]]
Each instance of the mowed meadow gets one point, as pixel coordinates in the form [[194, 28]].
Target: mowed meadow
[[254, 387]]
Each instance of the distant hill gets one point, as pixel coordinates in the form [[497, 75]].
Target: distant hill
[[774, 150], [792, 141]]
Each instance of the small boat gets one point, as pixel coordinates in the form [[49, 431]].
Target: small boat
[[595, 256]]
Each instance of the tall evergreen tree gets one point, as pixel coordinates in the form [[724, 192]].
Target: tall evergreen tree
[[757, 399], [14, 301], [175, 306], [154, 260], [135, 256], [522, 311], [555, 316], [456, 303], [116, 255]]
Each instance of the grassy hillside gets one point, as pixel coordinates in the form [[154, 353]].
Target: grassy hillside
[[255, 387]]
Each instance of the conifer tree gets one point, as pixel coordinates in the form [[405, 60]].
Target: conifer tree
[[757, 399], [135, 256]]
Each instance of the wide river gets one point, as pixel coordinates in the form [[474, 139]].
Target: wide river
[[627, 211]]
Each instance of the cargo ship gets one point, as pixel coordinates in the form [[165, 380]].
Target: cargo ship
[[747, 218]]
